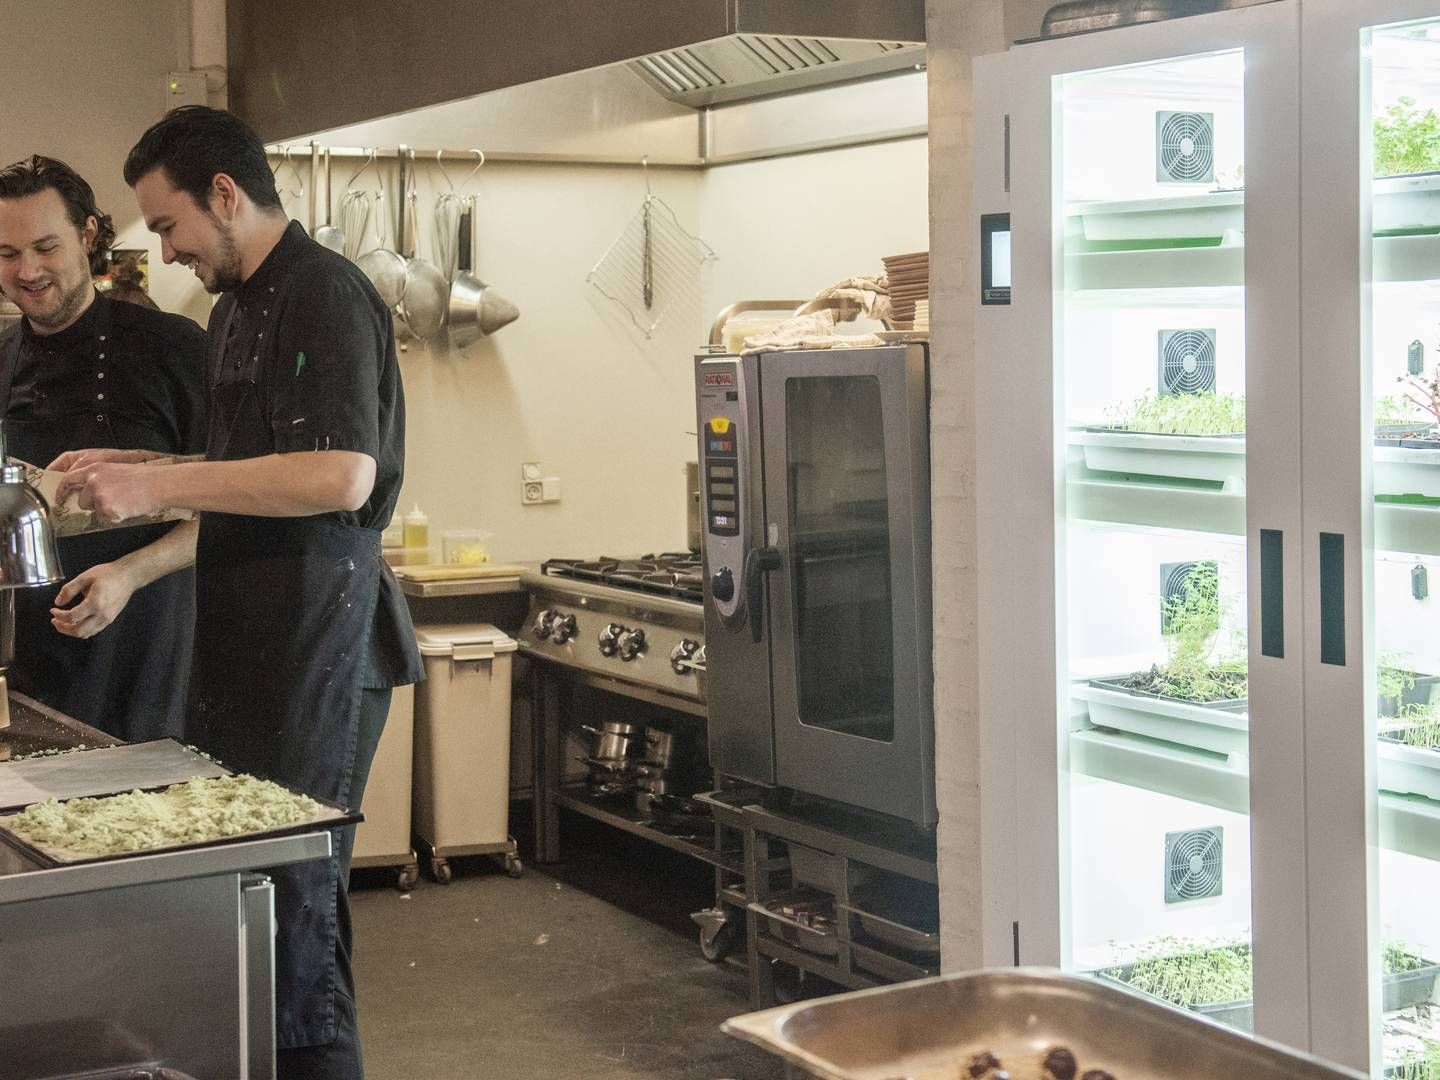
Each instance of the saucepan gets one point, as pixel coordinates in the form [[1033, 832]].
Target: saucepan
[[612, 741]]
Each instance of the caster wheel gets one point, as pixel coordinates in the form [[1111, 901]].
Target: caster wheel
[[409, 877], [441, 869], [788, 982], [513, 866], [720, 942]]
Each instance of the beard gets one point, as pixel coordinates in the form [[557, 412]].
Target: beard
[[225, 272], [69, 303]]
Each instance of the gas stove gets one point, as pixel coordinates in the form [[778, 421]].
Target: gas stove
[[636, 621]]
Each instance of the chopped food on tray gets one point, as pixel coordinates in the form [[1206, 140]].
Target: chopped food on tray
[[1059, 1064], [197, 811]]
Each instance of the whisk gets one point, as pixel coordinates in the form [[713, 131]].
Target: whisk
[[356, 206], [449, 208]]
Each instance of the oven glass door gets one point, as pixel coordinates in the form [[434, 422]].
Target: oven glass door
[[845, 449]]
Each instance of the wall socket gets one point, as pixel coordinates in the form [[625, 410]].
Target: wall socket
[[537, 488]]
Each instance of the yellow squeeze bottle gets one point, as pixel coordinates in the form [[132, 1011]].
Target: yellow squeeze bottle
[[417, 529]]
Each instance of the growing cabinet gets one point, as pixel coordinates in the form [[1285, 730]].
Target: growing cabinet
[[1209, 480]]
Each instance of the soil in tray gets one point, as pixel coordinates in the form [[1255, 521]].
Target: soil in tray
[[1231, 687]]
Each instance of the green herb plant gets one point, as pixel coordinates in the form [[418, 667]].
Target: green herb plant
[[1406, 140], [1204, 413], [1423, 393], [1194, 669], [1392, 410], [1417, 1064]]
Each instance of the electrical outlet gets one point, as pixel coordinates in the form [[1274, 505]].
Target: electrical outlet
[[530, 470], [532, 493], [550, 489]]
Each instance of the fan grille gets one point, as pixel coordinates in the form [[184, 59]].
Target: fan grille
[[1194, 864], [1187, 361], [1185, 147], [1175, 578]]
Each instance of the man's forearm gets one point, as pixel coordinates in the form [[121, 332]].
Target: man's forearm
[[173, 551], [276, 485]]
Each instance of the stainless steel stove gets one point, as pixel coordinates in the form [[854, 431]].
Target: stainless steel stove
[[637, 621]]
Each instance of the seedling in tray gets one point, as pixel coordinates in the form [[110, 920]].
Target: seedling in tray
[[1203, 413]]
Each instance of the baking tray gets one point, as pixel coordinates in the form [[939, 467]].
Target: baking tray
[[928, 1028], [99, 771], [898, 935], [335, 816]]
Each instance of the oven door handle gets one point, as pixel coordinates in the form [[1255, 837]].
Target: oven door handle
[[758, 562]]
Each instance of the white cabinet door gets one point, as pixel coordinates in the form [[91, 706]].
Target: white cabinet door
[[1139, 490], [1371, 339]]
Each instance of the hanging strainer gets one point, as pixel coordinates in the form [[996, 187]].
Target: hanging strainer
[[654, 262]]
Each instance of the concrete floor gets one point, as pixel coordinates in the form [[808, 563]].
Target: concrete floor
[[587, 970]]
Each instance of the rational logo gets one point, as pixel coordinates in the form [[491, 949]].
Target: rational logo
[[719, 378]]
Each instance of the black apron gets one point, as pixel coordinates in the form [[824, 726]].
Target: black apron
[[284, 610], [129, 679]]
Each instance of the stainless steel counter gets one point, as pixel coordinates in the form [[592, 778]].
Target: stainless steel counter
[[171, 954]]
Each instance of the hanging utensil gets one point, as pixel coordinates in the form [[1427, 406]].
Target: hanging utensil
[[448, 209], [296, 192], [475, 309], [426, 292], [382, 265], [327, 234], [355, 209]]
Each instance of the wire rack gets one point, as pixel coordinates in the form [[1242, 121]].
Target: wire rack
[[652, 263]]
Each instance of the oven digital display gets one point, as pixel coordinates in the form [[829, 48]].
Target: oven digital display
[[722, 476], [721, 446]]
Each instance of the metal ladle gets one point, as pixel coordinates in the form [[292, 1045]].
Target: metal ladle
[[327, 234]]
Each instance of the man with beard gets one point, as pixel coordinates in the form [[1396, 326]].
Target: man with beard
[[301, 630], [80, 371]]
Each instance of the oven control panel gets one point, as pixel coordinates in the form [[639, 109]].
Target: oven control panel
[[722, 414]]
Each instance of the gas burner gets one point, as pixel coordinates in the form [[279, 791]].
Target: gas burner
[[675, 574]]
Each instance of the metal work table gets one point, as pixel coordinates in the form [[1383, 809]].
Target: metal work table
[[171, 954]]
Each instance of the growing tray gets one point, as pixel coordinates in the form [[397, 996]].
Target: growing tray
[[1407, 467], [1216, 458], [1398, 991], [1221, 727], [1407, 770]]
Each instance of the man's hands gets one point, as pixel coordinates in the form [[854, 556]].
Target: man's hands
[[104, 591], [77, 459], [113, 491]]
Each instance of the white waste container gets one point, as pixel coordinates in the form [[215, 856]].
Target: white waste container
[[461, 803], [383, 838]]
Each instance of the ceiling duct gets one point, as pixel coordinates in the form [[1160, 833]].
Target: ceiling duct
[[754, 65]]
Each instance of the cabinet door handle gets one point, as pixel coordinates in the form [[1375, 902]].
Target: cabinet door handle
[[1332, 599], [1272, 593]]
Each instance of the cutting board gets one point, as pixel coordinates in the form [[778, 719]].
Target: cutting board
[[459, 573], [101, 771]]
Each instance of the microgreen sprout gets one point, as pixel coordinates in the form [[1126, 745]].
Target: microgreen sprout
[[1181, 414]]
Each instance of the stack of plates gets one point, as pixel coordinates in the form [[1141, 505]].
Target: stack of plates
[[909, 287]]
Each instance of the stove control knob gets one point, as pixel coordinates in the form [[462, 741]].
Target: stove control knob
[[610, 639], [722, 585], [632, 644], [700, 658], [562, 628], [541, 629], [682, 657]]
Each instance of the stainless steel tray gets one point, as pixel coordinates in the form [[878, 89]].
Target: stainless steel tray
[[927, 1028]]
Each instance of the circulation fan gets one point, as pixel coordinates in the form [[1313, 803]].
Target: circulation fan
[[1185, 147], [1186, 360], [1194, 864], [1176, 578]]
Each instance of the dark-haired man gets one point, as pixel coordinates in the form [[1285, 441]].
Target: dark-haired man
[[301, 630], [81, 371]]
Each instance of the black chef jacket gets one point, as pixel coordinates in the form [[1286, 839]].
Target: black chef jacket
[[127, 377]]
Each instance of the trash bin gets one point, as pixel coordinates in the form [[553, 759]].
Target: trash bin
[[461, 803], [383, 838]]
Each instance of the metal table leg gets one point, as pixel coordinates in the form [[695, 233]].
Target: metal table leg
[[545, 733]]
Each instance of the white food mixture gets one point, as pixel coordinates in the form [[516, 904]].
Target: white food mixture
[[197, 811]]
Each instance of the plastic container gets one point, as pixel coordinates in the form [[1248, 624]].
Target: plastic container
[[464, 547], [383, 838], [417, 528], [461, 799]]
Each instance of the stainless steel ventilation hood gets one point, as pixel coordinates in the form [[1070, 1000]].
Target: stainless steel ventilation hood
[[753, 65], [395, 58]]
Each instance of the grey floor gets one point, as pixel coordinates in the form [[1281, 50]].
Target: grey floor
[[589, 969]]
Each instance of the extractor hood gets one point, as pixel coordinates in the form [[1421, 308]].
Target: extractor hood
[[753, 65]]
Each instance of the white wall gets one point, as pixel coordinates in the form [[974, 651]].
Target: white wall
[[81, 82], [572, 384]]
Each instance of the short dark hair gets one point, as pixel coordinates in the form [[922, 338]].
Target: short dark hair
[[193, 143], [36, 174]]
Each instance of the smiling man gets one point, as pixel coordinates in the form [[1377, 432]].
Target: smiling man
[[82, 371], [301, 629]]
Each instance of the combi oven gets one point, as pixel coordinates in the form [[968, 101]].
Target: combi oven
[[815, 481]]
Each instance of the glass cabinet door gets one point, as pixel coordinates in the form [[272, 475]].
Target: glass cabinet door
[[1155, 253], [1401, 123]]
